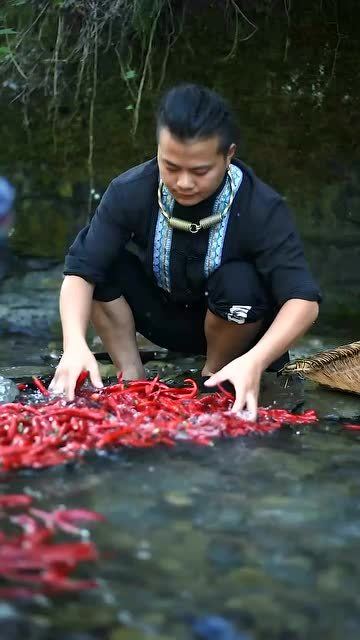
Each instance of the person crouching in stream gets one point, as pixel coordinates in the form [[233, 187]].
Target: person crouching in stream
[[214, 267]]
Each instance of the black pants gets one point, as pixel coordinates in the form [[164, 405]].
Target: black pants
[[234, 293]]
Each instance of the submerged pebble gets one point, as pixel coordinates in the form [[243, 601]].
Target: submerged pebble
[[216, 628], [178, 499]]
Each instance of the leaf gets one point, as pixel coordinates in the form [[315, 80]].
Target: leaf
[[7, 32], [4, 51], [130, 107], [130, 74]]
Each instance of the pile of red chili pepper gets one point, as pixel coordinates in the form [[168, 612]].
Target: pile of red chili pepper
[[33, 562], [136, 414]]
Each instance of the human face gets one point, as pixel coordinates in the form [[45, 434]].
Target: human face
[[191, 170]]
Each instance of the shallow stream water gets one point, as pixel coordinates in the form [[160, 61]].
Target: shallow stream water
[[263, 531]]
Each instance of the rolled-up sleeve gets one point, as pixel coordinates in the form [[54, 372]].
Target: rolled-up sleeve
[[279, 257], [97, 244]]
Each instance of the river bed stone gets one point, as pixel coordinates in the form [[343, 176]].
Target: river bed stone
[[8, 390]]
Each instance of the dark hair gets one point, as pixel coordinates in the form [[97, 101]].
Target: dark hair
[[192, 111]]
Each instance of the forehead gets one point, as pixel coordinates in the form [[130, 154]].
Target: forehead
[[189, 152]]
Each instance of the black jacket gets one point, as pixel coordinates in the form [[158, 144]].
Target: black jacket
[[260, 230]]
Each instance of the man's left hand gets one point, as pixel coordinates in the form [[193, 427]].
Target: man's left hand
[[245, 374]]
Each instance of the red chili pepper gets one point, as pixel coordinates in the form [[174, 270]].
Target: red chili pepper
[[13, 428], [149, 389], [67, 553], [352, 427], [184, 392], [35, 558], [113, 436], [115, 388], [40, 386], [64, 519], [81, 379], [15, 500], [54, 580], [226, 393], [19, 593], [141, 413], [80, 412]]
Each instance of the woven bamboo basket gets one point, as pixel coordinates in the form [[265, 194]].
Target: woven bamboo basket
[[337, 368]]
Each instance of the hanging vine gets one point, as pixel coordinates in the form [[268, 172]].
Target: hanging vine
[[54, 48]]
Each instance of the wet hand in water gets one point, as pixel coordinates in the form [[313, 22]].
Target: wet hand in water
[[245, 374], [75, 359]]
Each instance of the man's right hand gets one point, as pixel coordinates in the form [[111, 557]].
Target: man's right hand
[[76, 358]]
